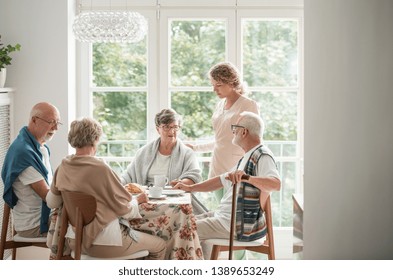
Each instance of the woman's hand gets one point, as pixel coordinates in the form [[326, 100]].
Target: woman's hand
[[174, 182], [142, 198], [185, 181]]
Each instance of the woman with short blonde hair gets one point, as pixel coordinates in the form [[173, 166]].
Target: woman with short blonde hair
[[106, 236]]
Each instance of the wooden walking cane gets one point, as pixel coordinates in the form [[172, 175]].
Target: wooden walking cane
[[233, 216]]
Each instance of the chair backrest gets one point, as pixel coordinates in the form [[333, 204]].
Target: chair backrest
[[269, 227], [79, 209], [268, 246]]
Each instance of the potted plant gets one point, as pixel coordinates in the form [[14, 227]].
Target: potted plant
[[5, 59]]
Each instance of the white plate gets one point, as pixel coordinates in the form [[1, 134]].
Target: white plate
[[163, 196], [172, 191]]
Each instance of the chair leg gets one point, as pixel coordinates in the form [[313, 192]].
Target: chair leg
[[2, 247], [13, 253], [4, 229], [63, 229], [271, 255], [215, 252]]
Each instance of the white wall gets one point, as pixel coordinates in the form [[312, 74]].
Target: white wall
[[41, 70], [348, 129]]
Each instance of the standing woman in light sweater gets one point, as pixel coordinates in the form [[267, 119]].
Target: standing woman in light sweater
[[226, 82]]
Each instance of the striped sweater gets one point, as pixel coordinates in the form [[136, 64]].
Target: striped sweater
[[250, 218]]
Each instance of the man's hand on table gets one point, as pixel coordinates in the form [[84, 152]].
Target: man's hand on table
[[182, 186]]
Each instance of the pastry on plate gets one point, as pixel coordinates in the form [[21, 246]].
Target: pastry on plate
[[134, 188]]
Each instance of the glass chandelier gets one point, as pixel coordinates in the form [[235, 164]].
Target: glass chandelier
[[110, 26]]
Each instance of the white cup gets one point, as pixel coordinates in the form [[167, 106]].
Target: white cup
[[160, 181], [155, 192]]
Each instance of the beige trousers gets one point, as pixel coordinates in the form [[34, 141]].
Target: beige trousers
[[209, 227], [155, 245], [32, 233]]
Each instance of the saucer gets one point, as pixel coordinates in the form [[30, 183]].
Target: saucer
[[163, 196], [172, 191]]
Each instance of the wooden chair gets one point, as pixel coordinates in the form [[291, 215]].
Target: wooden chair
[[264, 245], [79, 209], [16, 241]]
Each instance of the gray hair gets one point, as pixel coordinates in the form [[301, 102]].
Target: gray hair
[[84, 132], [253, 123], [227, 73], [167, 116]]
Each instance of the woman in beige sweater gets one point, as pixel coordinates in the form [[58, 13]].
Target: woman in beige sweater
[[105, 236]]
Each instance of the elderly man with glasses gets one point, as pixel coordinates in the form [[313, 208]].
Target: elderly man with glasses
[[27, 173], [258, 162]]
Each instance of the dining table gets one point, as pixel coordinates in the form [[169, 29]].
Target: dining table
[[169, 217]]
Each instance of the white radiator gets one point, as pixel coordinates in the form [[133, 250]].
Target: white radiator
[[5, 140]]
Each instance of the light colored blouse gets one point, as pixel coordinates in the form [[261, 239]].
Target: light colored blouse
[[160, 166], [226, 154]]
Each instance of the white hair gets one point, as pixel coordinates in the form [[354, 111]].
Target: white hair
[[253, 123]]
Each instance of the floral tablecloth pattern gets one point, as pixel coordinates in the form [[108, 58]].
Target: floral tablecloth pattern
[[175, 223]]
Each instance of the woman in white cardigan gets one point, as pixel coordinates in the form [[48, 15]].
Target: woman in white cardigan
[[166, 155]]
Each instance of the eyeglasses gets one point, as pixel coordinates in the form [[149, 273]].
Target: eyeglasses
[[234, 126], [52, 122], [167, 127]]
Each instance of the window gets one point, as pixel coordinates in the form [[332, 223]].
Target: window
[[130, 83], [119, 97], [270, 61]]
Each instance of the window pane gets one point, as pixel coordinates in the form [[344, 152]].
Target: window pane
[[282, 203], [288, 181], [118, 167], [196, 45], [279, 112], [270, 53], [119, 64], [283, 148], [122, 114], [197, 110], [289, 149]]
